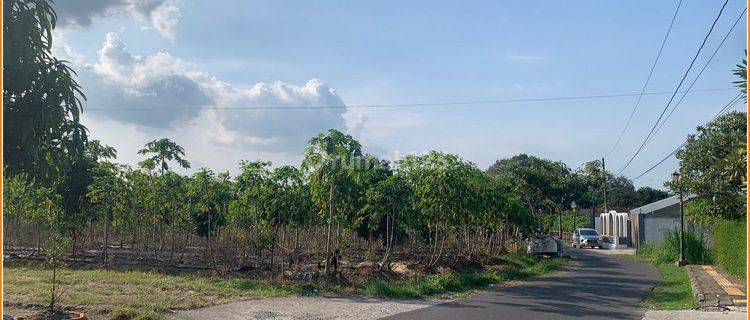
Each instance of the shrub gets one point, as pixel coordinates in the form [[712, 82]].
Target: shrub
[[696, 251], [730, 249]]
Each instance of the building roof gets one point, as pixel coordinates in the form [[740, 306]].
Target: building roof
[[661, 204]]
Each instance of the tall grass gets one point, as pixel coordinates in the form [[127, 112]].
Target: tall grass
[[696, 251], [518, 266]]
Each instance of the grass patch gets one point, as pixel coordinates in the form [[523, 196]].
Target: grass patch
[[518, 266], [673, 292], [145, 295], [135, 295]]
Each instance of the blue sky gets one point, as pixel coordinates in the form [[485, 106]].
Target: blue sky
[[263, 53]]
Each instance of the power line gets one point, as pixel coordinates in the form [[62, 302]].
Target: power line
[[426, 104], [648, 79], [727, 106], [699, 73], [692, 62]]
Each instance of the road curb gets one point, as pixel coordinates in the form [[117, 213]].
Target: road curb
[[707, 290]]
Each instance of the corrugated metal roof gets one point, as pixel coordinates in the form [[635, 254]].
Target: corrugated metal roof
[[661, 204]]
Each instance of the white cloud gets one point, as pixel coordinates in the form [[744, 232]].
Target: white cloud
[[165, 19], [115, 61], [162, 15], [190, 103], [285, 128]]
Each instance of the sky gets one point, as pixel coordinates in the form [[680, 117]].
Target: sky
[[189, 59]]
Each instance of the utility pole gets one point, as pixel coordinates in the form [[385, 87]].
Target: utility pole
[[604, 185]]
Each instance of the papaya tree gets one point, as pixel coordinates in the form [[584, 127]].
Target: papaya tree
[[249, 209], [388, 205], [109, 196], [208, 194], [328, 163]]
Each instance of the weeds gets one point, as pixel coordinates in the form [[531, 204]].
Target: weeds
[[519, 266]]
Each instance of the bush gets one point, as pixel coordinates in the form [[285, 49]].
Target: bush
[[696, 251], [518, 266], [668, 251], [730, 249]]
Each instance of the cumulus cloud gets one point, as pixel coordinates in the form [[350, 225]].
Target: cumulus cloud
[[162, 15], [121, 79], [189, 99], [165, 19], [281, 126]]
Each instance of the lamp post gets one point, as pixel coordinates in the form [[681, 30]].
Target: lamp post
[[574, 207], [677, 180]]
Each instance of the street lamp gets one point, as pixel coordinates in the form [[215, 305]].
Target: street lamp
[[574, 207], [677, 180]]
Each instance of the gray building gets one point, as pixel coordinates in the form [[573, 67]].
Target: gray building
[[651, 221]]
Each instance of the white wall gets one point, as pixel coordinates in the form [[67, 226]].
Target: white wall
[[655, 227]]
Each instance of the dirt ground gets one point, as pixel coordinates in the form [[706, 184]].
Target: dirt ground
[[693, 315], [319, 308]]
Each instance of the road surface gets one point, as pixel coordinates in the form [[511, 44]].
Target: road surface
[[598, 287]]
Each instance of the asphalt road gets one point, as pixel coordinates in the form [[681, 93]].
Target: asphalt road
[[598, 286]]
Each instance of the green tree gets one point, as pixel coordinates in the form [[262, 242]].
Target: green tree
[[292, 204], [30, 204], [96, 151], [330, 163], [741, 72], [208, 195], [371, 171], [41, 100], [253, 202], [621, 192], [388, 206], [646, 195], [163, 150], [54, 249], [710, 168], [544, 185], [109, 196], [441, 189]]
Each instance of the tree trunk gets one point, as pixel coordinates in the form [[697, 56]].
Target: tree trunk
[[296, 248], [106, 238], [389, 240], [53, 294], [330, 223], [275, 239], [208, 233]]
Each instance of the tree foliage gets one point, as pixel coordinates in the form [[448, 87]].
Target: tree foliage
[[42, 100], [711, 169], [741, 72], [162, 151]]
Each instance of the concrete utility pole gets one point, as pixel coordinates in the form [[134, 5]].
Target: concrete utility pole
[[604, 185]]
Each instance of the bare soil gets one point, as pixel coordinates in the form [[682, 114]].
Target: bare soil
[[323, 307]]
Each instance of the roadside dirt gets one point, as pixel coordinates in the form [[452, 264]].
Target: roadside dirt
[[693, 315], [319, 308]]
